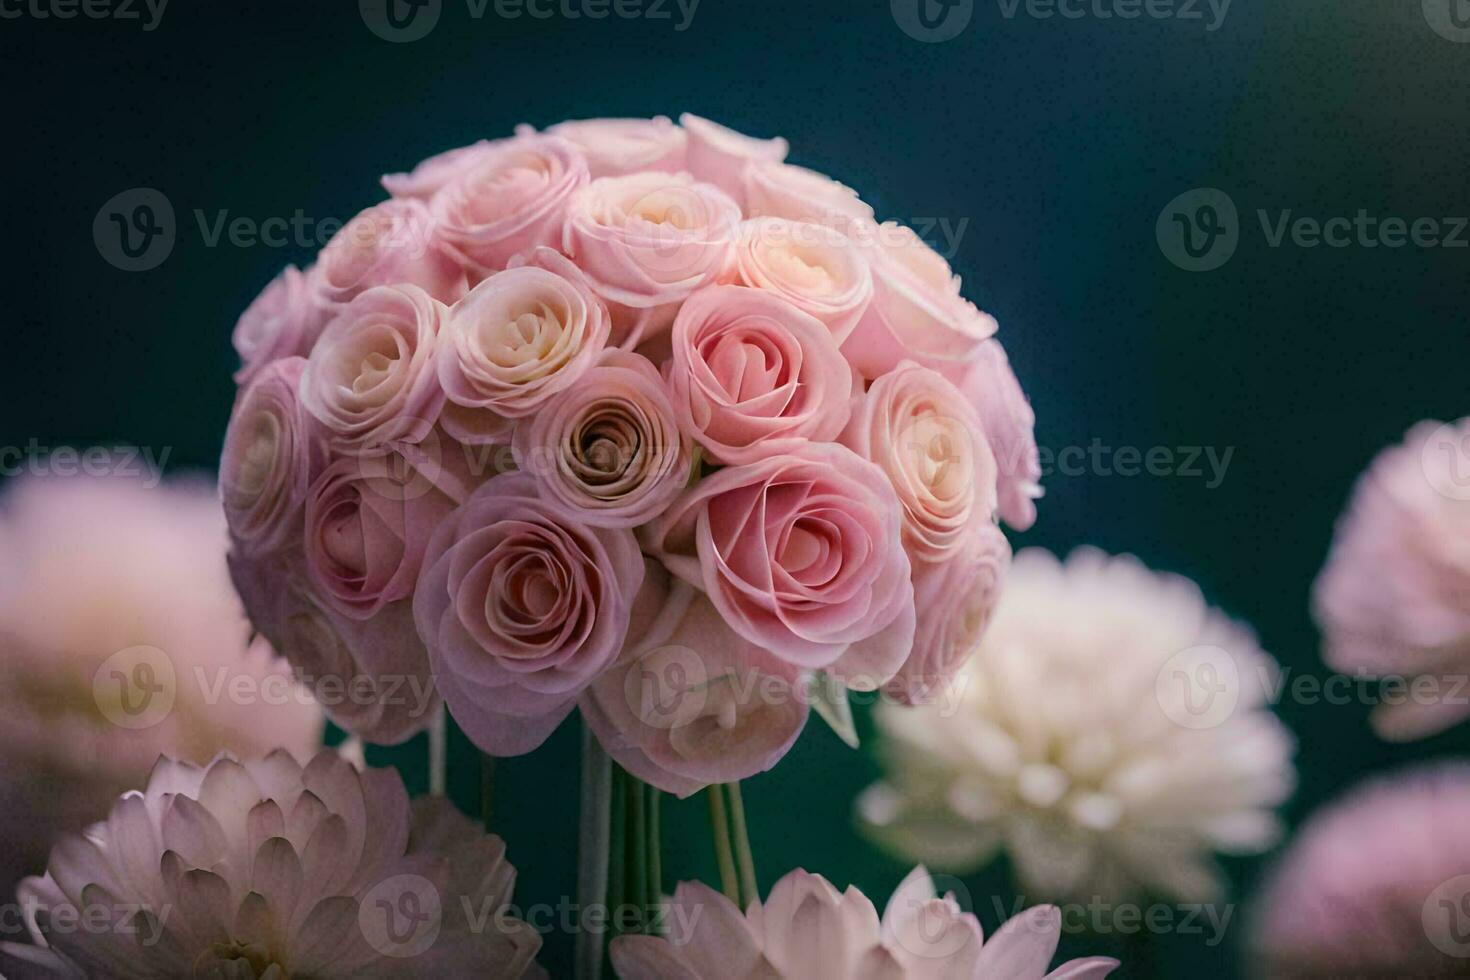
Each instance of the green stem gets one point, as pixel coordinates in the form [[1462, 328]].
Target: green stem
[[439, 753], [655, 852], [592, 850], [720, 830], [636, 853], [617, 884], [741, 836]]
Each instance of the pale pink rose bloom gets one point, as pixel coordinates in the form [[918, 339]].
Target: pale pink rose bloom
[[926, 437], [753, 376], [387, 244], [283, 321], [785, 191], [370, 380], [648, 240], [1393, 598], [273, 451], [1374, 885], [518, 339], [614, 147], [522, 606], [802, 553], [510, 199], [954, 601], [368, 520], [263, 868], [807, 928], [371, 676], [1010, 427], [688, 702], [91, 567], [813, 267], [718, 155], [627, 325], [917, 312], [609, 448], [431, 175]]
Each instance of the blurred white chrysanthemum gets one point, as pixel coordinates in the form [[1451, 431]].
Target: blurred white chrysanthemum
[[265, 870], [1109, 734], [121, 639], [1394, 596], [808, 929]]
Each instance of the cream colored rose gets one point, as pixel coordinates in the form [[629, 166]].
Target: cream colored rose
[[814, 268]]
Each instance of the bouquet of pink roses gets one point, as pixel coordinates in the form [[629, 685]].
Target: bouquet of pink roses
[[628, 416]]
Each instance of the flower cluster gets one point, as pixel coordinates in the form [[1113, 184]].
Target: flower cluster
[[631, 415], [807, 928]]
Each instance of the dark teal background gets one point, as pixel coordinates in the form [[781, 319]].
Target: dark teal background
[[1059, 142]]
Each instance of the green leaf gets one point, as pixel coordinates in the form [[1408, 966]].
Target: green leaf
[[829, 698]]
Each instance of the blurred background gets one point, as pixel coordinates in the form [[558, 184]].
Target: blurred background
[[1041, 149]]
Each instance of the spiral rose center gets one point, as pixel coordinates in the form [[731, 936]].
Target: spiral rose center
[[508, 187], [522, 338], [259, 459], [374, 370], [802, 269], [746, 365]]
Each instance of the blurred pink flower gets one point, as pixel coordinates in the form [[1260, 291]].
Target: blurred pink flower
[[614, 147], [265, 869], [1394, 596], [1010, 428], [283, 321], [806, 928], [719, 155], [1375, 885], [122, 640]]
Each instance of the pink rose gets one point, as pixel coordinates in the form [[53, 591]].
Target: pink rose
[[508, 200], [954, 600], [389, 243], [517, 340], [273, 451], [522, 606], [368, 520], [718, 155], [813, 267], [370, 379], [614, 147], [803, 556], [371, 676], [690, 703], [627, 324], [753, 375], [648, 240], [609, 448], [1010, 427], [926, 437], [433, 174], [784, 191], [917, 312], [283, 321]]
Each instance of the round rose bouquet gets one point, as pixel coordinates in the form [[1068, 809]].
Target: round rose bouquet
[[628, 416]]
